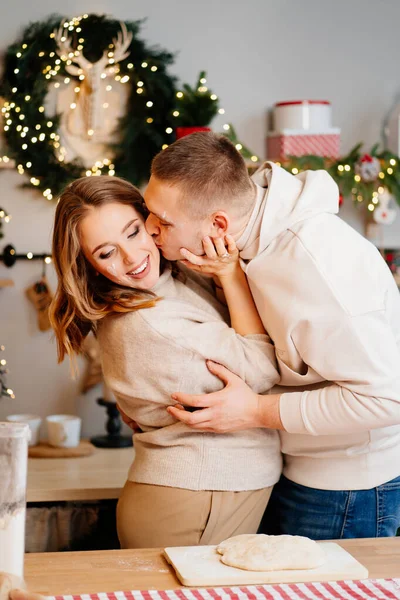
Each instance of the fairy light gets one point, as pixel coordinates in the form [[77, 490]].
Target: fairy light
[[179, 94]]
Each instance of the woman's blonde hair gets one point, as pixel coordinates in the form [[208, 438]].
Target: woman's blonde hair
[[83, 297]]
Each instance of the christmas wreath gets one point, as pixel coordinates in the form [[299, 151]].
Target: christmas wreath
[[59, 52]]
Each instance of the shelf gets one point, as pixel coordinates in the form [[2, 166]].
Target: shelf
[[6, 283]]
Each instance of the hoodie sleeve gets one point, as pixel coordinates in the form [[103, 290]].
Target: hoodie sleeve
[[359, 357]]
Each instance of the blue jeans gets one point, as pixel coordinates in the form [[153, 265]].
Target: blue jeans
[[325, 515]]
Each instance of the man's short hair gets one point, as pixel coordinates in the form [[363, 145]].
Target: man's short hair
[[209, 172]]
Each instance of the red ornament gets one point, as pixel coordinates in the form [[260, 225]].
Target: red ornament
[[340, 199], [182, 131], [367, 158]]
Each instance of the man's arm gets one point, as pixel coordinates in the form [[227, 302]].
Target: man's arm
[[236, 407], [357, 354]]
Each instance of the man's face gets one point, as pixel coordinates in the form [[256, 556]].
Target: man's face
[[170, 226]]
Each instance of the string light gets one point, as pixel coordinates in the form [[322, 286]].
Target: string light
[[4, 390]]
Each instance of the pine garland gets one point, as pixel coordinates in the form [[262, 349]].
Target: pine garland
[[353, 180]]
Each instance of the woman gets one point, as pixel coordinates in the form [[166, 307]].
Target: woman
[[156, 328]]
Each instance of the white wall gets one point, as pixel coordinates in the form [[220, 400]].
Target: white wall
[[255, 53]]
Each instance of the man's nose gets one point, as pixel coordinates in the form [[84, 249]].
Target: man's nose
[[152, 225]]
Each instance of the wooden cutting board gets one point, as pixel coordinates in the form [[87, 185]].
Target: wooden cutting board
[[44, 450], [199, 566]]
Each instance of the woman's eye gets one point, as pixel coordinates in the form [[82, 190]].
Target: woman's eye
[[103, 256], [134, 233]]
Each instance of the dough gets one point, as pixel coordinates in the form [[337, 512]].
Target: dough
[[259, 552]]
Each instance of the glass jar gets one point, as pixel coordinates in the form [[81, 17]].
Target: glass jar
[[13, 470]]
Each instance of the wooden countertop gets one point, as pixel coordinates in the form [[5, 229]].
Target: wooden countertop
[[113, 570], [100, 476]]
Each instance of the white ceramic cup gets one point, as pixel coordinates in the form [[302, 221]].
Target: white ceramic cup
[[63, 431], [33, 421]]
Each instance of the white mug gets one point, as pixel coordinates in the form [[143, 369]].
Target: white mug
[[63, 431], [33, 421]]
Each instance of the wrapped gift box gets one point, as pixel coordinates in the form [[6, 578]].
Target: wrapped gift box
[[298, 142]]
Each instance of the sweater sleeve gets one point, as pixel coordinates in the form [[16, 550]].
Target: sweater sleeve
[[250, 357], [360, 358]]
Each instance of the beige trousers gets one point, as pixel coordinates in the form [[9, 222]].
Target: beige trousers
[[154, 516]]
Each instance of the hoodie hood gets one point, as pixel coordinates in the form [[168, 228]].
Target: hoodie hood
[[282, 200]]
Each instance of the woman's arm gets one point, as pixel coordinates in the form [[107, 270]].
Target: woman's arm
[[222, 260]]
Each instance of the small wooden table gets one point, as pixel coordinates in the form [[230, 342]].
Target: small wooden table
[[113, 570], [100, 476]]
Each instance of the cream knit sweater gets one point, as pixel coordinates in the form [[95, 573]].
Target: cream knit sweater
[[151, 353]]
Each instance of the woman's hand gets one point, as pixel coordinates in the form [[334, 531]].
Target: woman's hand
[[128, 421], [220, 258]]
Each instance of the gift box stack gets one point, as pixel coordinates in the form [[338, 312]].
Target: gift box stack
[[303, 127]]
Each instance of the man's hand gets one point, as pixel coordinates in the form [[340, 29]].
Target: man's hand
[[234, 408], [128, 421]]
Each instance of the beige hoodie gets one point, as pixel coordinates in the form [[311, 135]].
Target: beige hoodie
[[332, 309]]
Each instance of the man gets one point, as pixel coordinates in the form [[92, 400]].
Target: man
[[332, 310]]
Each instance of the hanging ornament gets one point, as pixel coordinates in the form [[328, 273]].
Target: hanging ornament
[[368, 168], [40, 295], [385, 213]]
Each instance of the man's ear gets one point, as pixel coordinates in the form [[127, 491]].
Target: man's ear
[[220, 223]]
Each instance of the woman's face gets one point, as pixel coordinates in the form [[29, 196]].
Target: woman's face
[[115, 242]]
